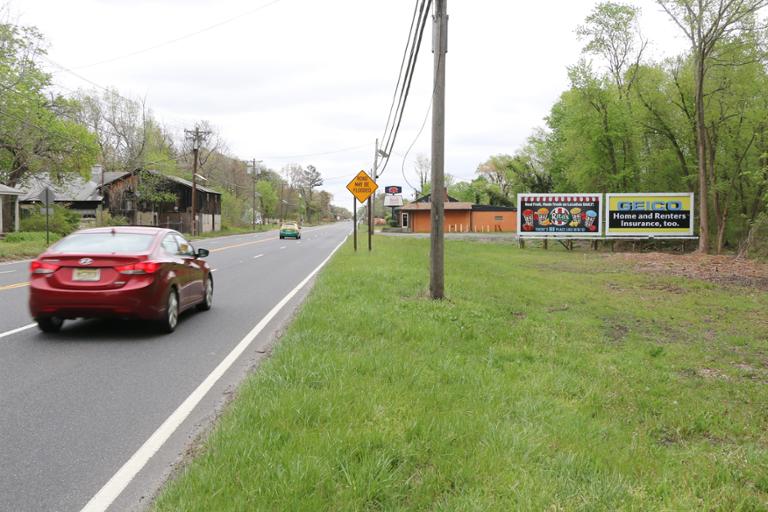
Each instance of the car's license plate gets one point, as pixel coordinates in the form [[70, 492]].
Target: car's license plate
[[86, 274]]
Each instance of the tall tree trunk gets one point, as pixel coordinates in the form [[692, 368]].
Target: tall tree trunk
[[701, 153], [721, 223]]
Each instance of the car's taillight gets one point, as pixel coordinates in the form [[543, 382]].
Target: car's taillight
[[42, 267], [144, 267]]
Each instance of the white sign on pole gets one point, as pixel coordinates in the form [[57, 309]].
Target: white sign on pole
[[393, 200]]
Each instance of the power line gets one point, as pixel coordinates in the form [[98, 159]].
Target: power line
[[47, 131], [106, 89], [180, 38], [423, 124], [343, 150], [402, 66], [402, 168], [390, 143]]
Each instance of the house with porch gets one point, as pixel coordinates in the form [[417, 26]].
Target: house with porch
[[127, 195], [9, 209]]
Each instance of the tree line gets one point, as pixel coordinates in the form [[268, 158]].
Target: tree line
[[696, 122], [44, 131]]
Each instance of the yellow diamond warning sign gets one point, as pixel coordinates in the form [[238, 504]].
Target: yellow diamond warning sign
[[362, 186]]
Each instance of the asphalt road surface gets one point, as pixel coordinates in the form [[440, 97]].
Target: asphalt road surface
[[96, 416]]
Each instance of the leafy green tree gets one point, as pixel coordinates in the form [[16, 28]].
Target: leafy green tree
[[706, 24], [36, 132], [153, 191], [268, 199]]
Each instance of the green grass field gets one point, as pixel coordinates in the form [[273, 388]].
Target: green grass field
[[546, 381], [17, 246]]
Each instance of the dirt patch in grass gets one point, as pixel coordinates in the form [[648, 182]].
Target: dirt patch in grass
[[616, 332], [724, 270], [711, 373]]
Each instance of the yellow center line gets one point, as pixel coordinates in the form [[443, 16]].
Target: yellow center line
[[26, 283], [12, 286], [240, 245]]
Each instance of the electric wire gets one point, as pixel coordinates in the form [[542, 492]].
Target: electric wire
[[180, 38], [402, 66], [406, 89], [405, 157], [423, 124], [307, 155], [412, 46]]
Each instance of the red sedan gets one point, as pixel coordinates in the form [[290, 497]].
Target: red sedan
[[138, 272]]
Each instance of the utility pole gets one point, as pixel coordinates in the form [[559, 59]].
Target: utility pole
[[253, 204], [372, 198], [437, 242], [197, 137]]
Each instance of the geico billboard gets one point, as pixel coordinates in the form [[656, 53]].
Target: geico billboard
[[559, 215], [665, 214]]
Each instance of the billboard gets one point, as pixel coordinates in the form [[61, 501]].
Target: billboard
[[559, 215], [649, 214]]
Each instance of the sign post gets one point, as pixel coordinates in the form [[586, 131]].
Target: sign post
[[393, 198], [354, 221], [362, 187], [47, 198]]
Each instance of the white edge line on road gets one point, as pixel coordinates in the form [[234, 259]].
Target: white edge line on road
[[115, 486], [258, 256], [14, 331], [7, 271]]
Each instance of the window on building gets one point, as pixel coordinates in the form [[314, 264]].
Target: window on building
[[499, 217]]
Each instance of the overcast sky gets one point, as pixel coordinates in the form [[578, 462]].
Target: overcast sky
[[311, 81]]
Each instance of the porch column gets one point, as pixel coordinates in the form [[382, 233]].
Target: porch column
[[18, 217], [1, 214]]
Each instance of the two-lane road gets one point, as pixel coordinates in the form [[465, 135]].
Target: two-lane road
[[84, 407]]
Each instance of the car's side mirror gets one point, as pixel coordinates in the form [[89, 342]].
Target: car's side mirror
[[202, 253]]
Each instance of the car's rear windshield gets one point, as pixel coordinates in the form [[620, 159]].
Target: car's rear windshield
[[104, 243], [289, 226]]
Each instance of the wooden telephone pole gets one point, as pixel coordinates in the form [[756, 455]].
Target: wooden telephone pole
[[197, 136], [437, 242], [254, 177]]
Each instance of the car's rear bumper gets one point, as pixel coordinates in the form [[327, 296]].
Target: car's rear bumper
[[143, 300]]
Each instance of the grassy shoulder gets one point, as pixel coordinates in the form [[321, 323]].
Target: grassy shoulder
[[546, 381], [24, 245]]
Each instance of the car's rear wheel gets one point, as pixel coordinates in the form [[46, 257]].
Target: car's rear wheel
[[50, 323], [281, 237], [207, 296], [171, 318]]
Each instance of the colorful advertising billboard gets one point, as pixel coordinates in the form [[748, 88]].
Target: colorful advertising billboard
[[649, 214], [559, 215]]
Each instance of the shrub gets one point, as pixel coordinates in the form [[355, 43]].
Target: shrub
[[61, 221], [107, 219], [28, 236]]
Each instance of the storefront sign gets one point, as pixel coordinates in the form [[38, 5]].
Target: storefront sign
[[559, 215], [649, 214], [393, 200]]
